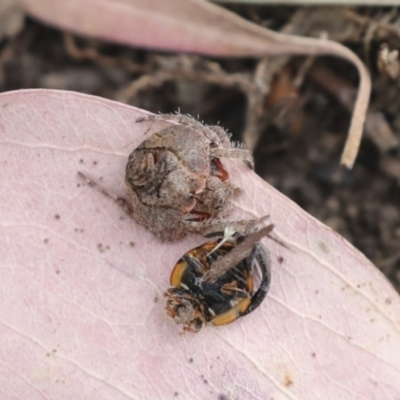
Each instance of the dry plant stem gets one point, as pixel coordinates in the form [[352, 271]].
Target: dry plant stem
[[237, 254], [363, 20], [93, 54], [151, 80], [239, 81], [262, 78]]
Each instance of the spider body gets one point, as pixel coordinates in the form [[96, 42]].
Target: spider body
[[176, 182]]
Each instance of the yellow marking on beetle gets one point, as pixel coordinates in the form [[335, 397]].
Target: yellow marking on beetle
[[232, 314], [177, 273]]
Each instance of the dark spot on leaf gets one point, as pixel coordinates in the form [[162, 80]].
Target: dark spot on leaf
[[313, 355], [81, 161], [280, 259], [94, 162], [49, 353], [191, 360], [388, 300], [57, 216], [288, 380], [45, 241], [223, 397], [155, 299], [324, 247], [132, 244]]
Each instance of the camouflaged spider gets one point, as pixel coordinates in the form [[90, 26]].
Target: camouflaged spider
[[175, 180], [176, 183]]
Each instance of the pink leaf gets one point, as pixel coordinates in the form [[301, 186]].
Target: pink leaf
[[82, 309]]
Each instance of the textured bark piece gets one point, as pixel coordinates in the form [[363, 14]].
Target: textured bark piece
[[81, 310]]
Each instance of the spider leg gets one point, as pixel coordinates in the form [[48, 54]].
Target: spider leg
[[234, 152], [216, 228], [119, 200]]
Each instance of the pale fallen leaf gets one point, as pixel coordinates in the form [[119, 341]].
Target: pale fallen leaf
[[82, 309], [196, 26]]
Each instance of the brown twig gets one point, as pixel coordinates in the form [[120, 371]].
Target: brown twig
[[90, 53]]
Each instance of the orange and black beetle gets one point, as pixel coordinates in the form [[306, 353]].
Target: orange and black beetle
[[194, 302]]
